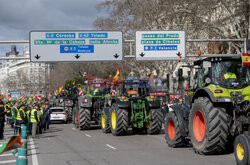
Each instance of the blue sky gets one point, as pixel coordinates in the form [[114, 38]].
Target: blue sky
[[18, 17]]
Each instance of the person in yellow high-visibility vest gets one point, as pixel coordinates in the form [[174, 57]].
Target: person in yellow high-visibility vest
[[8, 112], [20, 119], [34, 119], [228, 75]]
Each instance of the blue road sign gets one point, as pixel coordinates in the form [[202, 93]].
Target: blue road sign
[[76, 48], [160, 47]]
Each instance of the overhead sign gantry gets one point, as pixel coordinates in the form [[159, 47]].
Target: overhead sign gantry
[[76, 46]]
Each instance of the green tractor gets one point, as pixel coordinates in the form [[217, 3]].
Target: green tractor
[[88, 107], [132, 107], [219, 109]]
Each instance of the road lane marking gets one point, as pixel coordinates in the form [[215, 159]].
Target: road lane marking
[[7, 161], [33, 152], [6, 155], [88, 135], [111, 146], [74, 129]]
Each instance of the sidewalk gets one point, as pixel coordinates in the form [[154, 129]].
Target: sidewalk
[[7, 158]]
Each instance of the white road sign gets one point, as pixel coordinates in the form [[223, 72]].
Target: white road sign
[[73, 46], [160, 45]]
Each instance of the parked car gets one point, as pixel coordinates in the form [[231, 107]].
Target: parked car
[[58, 115]]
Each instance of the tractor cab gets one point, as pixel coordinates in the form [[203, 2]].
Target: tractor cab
[[135, 88], [226, 72]]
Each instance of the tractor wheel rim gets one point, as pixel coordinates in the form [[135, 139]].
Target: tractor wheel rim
[[199, 126], [240, 151], [113, 119], [103, 121], [171, 129]]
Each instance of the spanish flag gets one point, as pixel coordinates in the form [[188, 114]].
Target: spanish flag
[[245, 59], [23, 99], [60, 89], [117, 75]]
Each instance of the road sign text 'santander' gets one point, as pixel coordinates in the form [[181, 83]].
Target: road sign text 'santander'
[[160, 45], [72, 46]]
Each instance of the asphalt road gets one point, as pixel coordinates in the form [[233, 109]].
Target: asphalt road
[[64, 144]]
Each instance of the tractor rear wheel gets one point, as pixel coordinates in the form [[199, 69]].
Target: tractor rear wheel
[[85, 118], [105, 123], [118, 120], [68, 111], [155, 123], [172, 131], [208, 127], [242, 149]]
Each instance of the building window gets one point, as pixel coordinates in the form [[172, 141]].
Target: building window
[[40, 69], [35, 69], [41, 92], [31, 70]]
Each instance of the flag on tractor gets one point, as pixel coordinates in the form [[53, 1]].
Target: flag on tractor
[[117, 75], [14, 143], [245, 59]]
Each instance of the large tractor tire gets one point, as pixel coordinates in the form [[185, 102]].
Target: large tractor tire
[[105, 123], [68, 111], [208, 129], [242, 149], [172, 131], [155, 123], [85, 119], [118, 120]]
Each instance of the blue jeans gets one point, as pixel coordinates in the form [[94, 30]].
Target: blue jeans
[[1, 129]]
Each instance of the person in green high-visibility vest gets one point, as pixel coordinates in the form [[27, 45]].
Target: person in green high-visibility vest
[[14, 111]]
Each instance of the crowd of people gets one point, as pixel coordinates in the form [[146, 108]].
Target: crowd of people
[[36, 116]]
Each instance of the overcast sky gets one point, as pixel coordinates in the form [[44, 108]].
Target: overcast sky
[[18, 17]]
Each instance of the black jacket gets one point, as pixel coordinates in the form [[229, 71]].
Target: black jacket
[[2, 113]]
